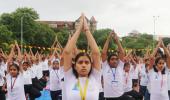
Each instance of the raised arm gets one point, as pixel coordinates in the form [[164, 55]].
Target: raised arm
[[31, 53], [156, 49], [70, 46], [105, 48], [11, 54], [19, 52], [121, 52], [92, 43], [3, 54], [167, 53], [52, 56], [19, 57], [152, 58]]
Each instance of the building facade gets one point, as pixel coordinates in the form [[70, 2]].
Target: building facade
[[72, 25]]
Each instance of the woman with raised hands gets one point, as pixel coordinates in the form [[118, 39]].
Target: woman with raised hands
[[82, 77], [14, 78], [158, 75]]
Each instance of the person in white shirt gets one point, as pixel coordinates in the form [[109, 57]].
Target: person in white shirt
[[168, 72], [144, 79], [30, 90], [127, 79], [168, 47], [82, 78], [15, 83], [2, 76], [14, 78], [158, 81], [113, 71], [45, 67], [158, 76], [56, 76], [132, 92]]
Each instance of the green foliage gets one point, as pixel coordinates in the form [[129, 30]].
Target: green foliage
[[101, 37], [34, 33], [41, 35], [62, 35], [166, 41], [138, 42]]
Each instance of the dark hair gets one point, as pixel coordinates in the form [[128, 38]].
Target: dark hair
[[109, 57], [75, 60], [125, 64], [15, 65], [160, 52], [156, 62], [158, 59], [26, 62]]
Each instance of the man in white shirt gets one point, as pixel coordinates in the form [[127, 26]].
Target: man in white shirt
[[113, 71]]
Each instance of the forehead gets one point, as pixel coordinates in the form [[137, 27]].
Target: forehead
[[161, 60], [113, 56], [25, 64], [83, 58], [127, 66], [12, 68], [55, 62]]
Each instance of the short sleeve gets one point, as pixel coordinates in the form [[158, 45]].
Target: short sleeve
[[96, 74], [121, 64]]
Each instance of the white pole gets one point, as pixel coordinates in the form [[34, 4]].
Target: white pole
[[154, 28]]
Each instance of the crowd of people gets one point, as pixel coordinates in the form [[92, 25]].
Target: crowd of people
[[73, 75]]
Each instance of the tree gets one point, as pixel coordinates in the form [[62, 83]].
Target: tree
[[34, 33], [5, 37], [101, 36], [62, 35], [166, 40]]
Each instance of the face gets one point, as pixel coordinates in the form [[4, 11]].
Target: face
[[24, 66], [56, 65], [13, 71], [113, 62], [127, 68], [36, 61], [83, 66], [160, 64]]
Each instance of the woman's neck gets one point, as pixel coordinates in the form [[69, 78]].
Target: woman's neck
[[159, 69], [15, 76], [81, 76]]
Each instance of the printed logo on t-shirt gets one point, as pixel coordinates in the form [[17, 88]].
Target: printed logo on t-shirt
[[76, 87]]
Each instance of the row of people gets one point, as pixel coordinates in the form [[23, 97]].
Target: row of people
[[82, 76]]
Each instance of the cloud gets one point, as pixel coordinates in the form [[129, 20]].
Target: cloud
[[122, 15]]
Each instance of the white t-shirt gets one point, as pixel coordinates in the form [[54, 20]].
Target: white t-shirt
[[44, 65], [136, 71], [71, 90], [27, 77], [113, 80], [3, 66], [38, 70], [55, 79], [168, 72], [144, 76], [17, 93], [2, 74], [127, 81], [158, 85]]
